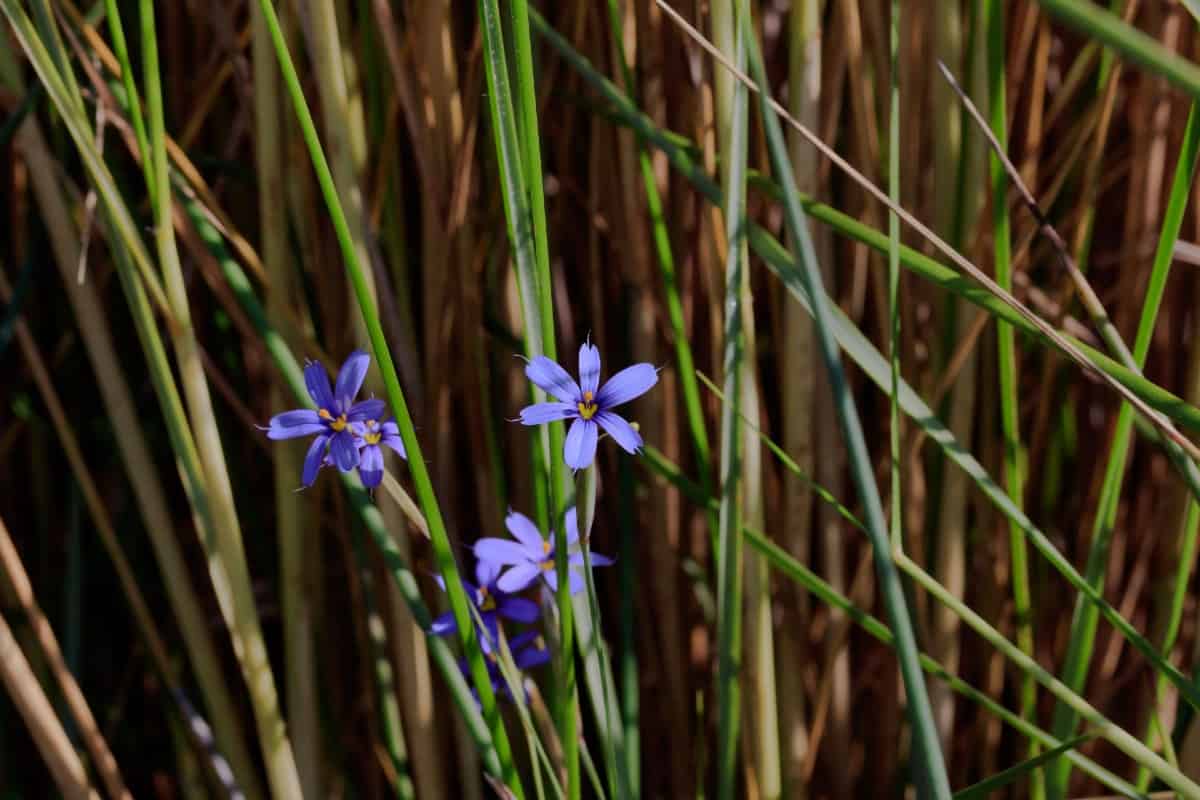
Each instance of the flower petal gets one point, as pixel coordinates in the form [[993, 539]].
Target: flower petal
[[486, 572], [541, 413], [391, 437], [627, 384], [571, 520], [374, 408], [312, 460], [370, 466], [580, 448], [443, 624], [518, 609], [553, 379], [517, 578], [589, 367], [526, 532], [597, 559], [294, 424], [501, 551], [533, 656], [620, 430], [317, 381], [350, 379], [343, 451]]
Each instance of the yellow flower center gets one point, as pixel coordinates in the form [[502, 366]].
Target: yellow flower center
[[587, 408], [546, 565], [338, 424], [374, 432], [486, 601]]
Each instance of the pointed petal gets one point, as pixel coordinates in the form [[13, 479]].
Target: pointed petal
[[370, 466], [294, 424], [525, 531], [312, 460], [350, 379], [501, 551], [553, 379], [620, 430], [374, 408], [589, 367], [571, 520], [580, 448], [577, 584], [486, 572], [627, 384], [533, 656], [443, 624], [541, 413], [343, 450], [518, 609], [317, 381], [517, 578], [391, 437]]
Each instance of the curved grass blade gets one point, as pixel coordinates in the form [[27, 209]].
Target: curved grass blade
[[1018, 771]]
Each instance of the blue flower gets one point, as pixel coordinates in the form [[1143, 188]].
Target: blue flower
[[491, 602], [532, 556], [333, 420], [369, 435], [587, 403], [528, 651]]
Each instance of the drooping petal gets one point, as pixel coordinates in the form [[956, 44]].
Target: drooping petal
[[391, 437], [580, 448], [317, 381], [370, 466], [312, 460], [553, 379], [501, 551], [597, 559], [541, 413], [486, 572], [627, 384], [364, 410], [589, 367], [350, 379], [518, 578], [343, 450], [526, 532], [294, 424], [620, 430], [443, 624], [571, 520], [518, 609], [533, 656]]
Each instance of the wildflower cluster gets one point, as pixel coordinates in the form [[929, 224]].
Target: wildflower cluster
[[348, 434]]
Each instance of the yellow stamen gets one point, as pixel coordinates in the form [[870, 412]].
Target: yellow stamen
[[546, 546], [339, 424], [546, 565], [588, 409], [323, 414]]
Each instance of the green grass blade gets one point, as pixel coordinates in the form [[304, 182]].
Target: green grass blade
[[395, 395], [1014, 773], [1084, 623], [928, 755]]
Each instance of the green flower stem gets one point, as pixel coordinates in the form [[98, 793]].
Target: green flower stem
[[395, 395], [928, 758]]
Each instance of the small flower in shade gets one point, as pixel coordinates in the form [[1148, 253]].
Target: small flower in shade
[[532, 556], [528, 651], [491, 602], [333, 420], [370, 435], [587, 403]]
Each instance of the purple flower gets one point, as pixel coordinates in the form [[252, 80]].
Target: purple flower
[[333, 420], [491, 602], [369, 435], [531, 555], [587, 403], [528, 651]]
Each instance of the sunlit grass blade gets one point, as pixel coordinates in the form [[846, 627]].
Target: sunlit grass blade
[[927, 750], [420, 473], [798, 572], [1084, 622], [1015, 773]]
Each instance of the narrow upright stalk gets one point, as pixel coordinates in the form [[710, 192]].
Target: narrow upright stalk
[[443, 552], [1014, 471], [249, 645], [732, 105], [931, 769], [299, 652]]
